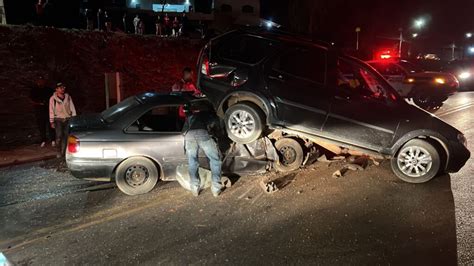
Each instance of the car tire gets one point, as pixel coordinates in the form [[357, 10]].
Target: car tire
[[248, 131], [416, 162], [290, 155], [136, 176]]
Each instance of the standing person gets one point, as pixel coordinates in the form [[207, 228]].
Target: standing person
[[39, 97], [184, 24], [40, 12], [175, 27], [136, 22], [124, 22], [186, 84], [61, 108], [159, 26], [108, 22], [166, 22], [141, 27], [89, 19], [196, 136], [100, 19]]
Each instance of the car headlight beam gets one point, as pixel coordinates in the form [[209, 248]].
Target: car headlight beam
[[464, 75], [440, 80]]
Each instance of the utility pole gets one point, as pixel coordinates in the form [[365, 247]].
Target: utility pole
[[3, 18], [401, 43], [453, 48], [357, 30]]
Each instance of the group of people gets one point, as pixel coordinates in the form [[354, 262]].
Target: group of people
[[165, 25], [53, 109], [102, 19]]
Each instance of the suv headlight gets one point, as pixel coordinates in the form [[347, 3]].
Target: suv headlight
[[462, 139]]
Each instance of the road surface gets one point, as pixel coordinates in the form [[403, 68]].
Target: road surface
[[366, 217]]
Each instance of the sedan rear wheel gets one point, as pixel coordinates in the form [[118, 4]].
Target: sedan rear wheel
[[417, 162], [290, 153], [136, 176]]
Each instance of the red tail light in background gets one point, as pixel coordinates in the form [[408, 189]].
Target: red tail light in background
[[205, 66], [73, 144]]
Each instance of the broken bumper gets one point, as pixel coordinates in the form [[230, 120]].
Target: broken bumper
[[89, 168]]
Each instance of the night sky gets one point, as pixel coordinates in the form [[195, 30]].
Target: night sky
[[448, 21]]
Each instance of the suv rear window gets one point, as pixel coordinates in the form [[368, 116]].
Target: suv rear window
[[246, 49], [304, 62]]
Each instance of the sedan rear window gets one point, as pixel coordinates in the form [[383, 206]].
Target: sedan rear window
[[113, 113]]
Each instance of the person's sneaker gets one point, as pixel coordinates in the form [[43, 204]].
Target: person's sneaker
[[216, 193], [42, 144], [53, 143]]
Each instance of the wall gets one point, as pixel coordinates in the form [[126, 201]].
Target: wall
[[80, 59]]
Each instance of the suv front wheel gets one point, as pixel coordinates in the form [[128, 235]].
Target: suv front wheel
[[244, 122], [417, 162]]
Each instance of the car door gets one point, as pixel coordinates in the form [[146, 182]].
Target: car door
[[296, 79], [157, 133], [362, 113]]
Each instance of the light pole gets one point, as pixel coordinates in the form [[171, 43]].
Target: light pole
[[453, 48], [401, 43], [357, 30]]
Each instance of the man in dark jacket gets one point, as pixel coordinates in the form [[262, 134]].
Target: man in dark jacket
[[196, 131], [39, 96]]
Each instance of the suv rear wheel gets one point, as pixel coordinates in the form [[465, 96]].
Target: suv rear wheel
[[244, 122], [417, 162]]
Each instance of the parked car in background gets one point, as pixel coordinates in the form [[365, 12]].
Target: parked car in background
[[426, 88], [464, 71], [259, 81]]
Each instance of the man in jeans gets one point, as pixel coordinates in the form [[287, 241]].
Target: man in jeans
[[197, 137], [61, 108]]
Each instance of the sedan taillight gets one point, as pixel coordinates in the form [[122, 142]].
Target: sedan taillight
[[73, 144]]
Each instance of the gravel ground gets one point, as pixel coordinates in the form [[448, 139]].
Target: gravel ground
[[365, 217]]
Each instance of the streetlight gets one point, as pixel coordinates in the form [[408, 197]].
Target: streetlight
[[414, 35], [419, 23], [468, 35]]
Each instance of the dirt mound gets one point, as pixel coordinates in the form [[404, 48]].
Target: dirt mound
[[80, 59]]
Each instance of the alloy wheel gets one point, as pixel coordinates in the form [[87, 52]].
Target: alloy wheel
[[414, 161], [241, 124]]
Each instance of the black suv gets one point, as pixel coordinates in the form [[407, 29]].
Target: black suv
[[260, 81]]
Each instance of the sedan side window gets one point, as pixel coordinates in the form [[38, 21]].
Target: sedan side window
[[354, 80], [160, 119]]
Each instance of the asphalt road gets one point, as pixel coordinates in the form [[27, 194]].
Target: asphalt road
[[366, 217]]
